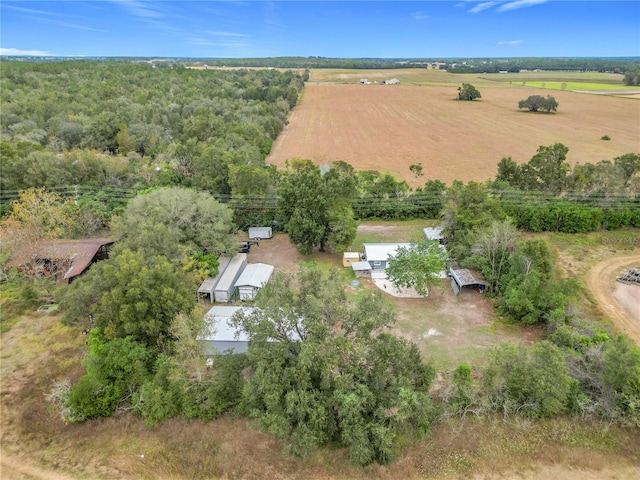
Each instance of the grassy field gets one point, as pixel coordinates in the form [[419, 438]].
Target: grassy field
[[389, 127]]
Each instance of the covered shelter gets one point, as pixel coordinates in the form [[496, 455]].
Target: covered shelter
[[361, 269], [63, 259], [434, 233], [253, 278], [464, 278]]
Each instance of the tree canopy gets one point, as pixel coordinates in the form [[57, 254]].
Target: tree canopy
[[316, 207], [536, 103], [468, 92], [332, 375], [417, 266], [171, 221]]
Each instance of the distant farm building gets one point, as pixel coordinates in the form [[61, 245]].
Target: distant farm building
[[253, 278], [260, 233], [463, 278], [364, 81], [378, 254], [225, 287], [393, 81], [65, 260], [349, 257]]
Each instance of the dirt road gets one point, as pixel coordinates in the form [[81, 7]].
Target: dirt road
[[601, 282]]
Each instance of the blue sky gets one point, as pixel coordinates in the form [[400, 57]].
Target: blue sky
[[383, 29]]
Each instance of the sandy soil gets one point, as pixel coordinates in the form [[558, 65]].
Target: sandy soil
[[388, 128], [619, 302]]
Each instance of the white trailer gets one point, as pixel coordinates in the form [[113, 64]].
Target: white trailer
[[227, 283], [259, 233]]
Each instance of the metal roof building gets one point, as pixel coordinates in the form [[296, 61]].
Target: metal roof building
[[208, 286], [253, 278], [378, 254], [226, 285], [220, 335]]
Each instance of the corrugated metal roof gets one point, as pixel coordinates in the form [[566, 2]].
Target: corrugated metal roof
[[219, 328], [255, 275], [361, 266], [466, 277], [375, 252], [229, 275], [433, 233], [210, 283]]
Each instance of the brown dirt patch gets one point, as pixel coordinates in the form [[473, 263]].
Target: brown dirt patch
[[389, 127], [277, 251], [620, 303]]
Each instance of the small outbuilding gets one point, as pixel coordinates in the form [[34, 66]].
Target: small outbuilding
[[434, 233], [393, 81], [260, 233], [253, 278], [361, 269], [348, 258], [225, 287]]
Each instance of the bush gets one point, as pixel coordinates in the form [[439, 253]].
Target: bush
[[537, 103]]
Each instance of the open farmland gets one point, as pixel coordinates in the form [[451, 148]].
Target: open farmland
[[389, 127]]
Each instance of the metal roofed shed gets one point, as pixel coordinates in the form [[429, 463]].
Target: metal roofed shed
[[361, 269], [253, 278], [433, 233], [226, 285], [208, 286], [462, 277]]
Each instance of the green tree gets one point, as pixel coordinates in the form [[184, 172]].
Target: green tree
[[547, 169], [417, 266], [468, 92], [316, 206], [172, 221], [531, 382], [536, 103], [323, 370], [133, 295]]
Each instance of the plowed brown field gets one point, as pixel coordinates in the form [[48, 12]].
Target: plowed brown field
[[389, 127]]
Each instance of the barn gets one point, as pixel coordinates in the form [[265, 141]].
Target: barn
[[220, 335], [253, 278], [225, 287]]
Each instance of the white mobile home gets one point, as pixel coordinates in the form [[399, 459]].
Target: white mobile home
[[254, 277], [378, 254], [259, 233], [208, 286], [226, 285]]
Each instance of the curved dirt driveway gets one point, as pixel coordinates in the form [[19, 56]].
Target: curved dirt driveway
[[601, 282]]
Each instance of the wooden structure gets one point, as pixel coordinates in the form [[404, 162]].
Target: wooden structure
[[350, 257]]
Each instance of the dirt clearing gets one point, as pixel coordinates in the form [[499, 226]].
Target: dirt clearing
[[389, 127], [618, 302]]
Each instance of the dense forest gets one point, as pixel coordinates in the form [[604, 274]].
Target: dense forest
[[172, 162]]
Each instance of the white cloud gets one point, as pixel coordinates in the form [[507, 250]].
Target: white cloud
[[20, 53], [482, 6], [419, 15], [519, 4], [140, 9], [225, 34], [510, 42]]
